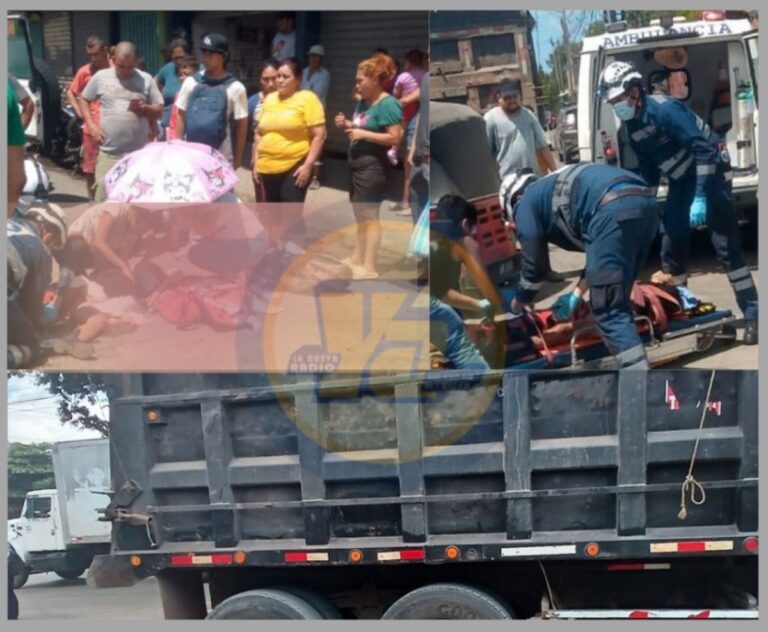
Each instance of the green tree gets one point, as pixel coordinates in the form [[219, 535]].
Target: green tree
[[549, 90], [80, 398], [29, 468]]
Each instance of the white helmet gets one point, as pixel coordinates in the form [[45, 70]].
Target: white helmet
[[38, 184], [52, 216], [512, 187], [617, 78]]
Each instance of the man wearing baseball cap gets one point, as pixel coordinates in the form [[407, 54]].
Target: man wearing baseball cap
[[196, 124], [515, 135], [317, 78]]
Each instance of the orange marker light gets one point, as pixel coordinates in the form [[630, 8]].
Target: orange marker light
[[356, 556], [135, 561], [592, 549], [152, 415], [452, 552], [240, 557]]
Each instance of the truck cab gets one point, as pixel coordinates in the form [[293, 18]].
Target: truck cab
[[40, 523], [710, 65]]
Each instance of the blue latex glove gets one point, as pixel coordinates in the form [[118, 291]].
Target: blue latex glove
[[565, 306], [698, 212]]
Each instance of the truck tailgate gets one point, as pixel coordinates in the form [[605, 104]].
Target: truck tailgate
[[498, 462]]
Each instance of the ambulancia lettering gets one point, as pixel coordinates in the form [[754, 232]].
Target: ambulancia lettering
[[630, 38]]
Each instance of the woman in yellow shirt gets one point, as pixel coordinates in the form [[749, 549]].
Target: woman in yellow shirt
[[288, 140]]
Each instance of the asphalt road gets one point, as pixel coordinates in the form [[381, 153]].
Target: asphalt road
[[47, 596]]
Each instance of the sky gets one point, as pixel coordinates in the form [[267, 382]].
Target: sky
[[547, 26], [33, 418]]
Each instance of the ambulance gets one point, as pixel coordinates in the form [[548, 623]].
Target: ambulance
[[710, 64]]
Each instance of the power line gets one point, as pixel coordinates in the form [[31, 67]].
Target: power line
[[34, 399]]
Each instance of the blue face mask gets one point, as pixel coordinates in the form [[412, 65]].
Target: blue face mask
[[624, 110]]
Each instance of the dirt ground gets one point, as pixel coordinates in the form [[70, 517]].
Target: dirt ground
[[707, 281], [380, 323]]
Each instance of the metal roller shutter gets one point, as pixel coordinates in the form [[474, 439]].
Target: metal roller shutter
[[85, 24], [141, 28], [57, 40], [348, 38]]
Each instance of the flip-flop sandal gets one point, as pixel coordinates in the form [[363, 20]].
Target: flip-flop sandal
[[359, 274]]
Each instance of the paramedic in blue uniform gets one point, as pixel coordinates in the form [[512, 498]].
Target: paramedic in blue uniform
[[670, 139], [32, 233], [606, 212]]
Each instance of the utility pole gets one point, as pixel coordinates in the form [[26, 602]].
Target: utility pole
[[557, 69], [569, 70]]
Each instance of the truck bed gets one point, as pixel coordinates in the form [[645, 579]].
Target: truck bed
[[502, 466]]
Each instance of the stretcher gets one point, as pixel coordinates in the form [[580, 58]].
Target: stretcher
[[585, 349]]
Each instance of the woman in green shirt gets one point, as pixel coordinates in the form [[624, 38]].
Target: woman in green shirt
[[374, 128]]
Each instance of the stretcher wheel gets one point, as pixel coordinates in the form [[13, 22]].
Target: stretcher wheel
[[704, 342]]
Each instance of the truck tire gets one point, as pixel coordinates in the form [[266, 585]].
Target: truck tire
[[318, 601], [264, 604], [70, 573], [448, 601], [19, 579], [50, 101]]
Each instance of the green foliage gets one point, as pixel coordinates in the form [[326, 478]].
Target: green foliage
[[30, 467], [550, 90], [79, 398]]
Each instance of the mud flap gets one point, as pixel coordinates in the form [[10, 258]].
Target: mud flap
[[108, 571]]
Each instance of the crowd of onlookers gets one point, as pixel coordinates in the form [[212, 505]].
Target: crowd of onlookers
[[123, 109]]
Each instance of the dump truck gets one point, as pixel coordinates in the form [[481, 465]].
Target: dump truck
[[60, 530], [447, 495], [471, 52]]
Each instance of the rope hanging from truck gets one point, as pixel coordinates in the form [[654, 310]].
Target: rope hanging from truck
[[690, 484]]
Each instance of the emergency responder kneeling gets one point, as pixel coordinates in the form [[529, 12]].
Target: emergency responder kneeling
[[670, 139], [606, 212], [32, 233]]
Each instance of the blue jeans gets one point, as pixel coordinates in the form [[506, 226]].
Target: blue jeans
[[447, 333], [419, 189]]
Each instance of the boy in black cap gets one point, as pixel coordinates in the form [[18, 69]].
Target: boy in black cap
[[207, 103]]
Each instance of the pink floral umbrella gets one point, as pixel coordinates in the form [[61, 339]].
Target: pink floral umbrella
[[173, 171]]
